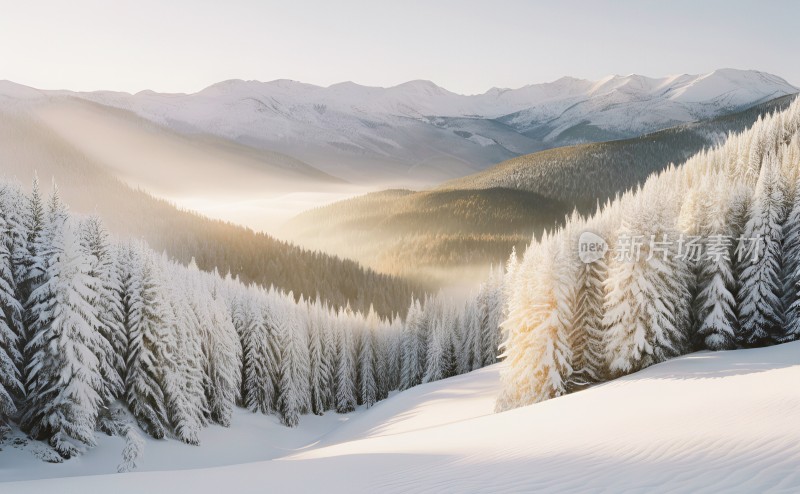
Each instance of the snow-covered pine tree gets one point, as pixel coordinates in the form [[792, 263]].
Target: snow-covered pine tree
[[647, 297], [133, 451], [293, 388], [411, 364], [29, 267], [30, 264], [459, 339], [258, 385], [13, 209], [493, 308], [220, 359], [462, 358], [182, 365], [760, 305], [741, 198], [223, 353], [149, 320], [440, 359], [586, 336], [512, 264], [270, 313], [695, 204], [10, 315], [104, 276], [435, 364], [716, 302], [394, 352], [368, 386], [515, 377], [539, 363], [318, 372], [62, 344], [451, 324], [129, 265], [381, 341], [330, 346], [482, 304], [791, 254], [346, 392]]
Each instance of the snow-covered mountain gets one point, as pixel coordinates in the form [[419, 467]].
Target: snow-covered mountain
[[420, 132]]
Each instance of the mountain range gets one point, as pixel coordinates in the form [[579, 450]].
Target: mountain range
[[417, 134], [453, 231]]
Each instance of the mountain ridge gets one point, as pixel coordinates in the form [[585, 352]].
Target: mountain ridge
[[480, 217], [417, 134]]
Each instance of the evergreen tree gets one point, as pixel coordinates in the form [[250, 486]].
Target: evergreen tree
[[493, 305], [10, 315], [30, 269], [64, 373], [318, 372], [293, 389], [330, 345], [149, 319], [223, 355], [539, 361], [258, 385], [586, 336], [368, 386], [104, 276], [346, 363], [440, 359], [647, 297], [183, 363], [411, 365], [468, 324], [760, 304], [716, 299], [394, 352], [382, 357], [791, 268]]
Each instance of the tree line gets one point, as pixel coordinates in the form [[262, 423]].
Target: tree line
[[573, 323], [104, 334]]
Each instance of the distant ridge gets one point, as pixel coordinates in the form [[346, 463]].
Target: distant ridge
[[418, 133]]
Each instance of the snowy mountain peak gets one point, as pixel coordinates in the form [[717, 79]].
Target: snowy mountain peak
[[423, 87], [402, 129], [12, 90]]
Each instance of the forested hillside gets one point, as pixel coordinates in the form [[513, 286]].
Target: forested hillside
[[429, 236], [701, 256], [27, 146], [453, 231], [149, 342], [584, 174]]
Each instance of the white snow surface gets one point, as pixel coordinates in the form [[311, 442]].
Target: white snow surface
[[706, 422]]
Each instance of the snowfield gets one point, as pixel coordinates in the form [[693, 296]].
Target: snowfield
[[706, 422]]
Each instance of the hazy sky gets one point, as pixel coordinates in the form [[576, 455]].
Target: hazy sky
[[466, 46]]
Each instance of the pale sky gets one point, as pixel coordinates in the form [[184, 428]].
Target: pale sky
[[466, 46]]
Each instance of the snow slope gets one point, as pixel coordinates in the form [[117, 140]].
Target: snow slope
[[706, 422]]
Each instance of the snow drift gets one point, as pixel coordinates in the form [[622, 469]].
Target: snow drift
[[706, 422]]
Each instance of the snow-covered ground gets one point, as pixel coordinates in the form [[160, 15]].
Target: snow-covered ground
[[707, 422]]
